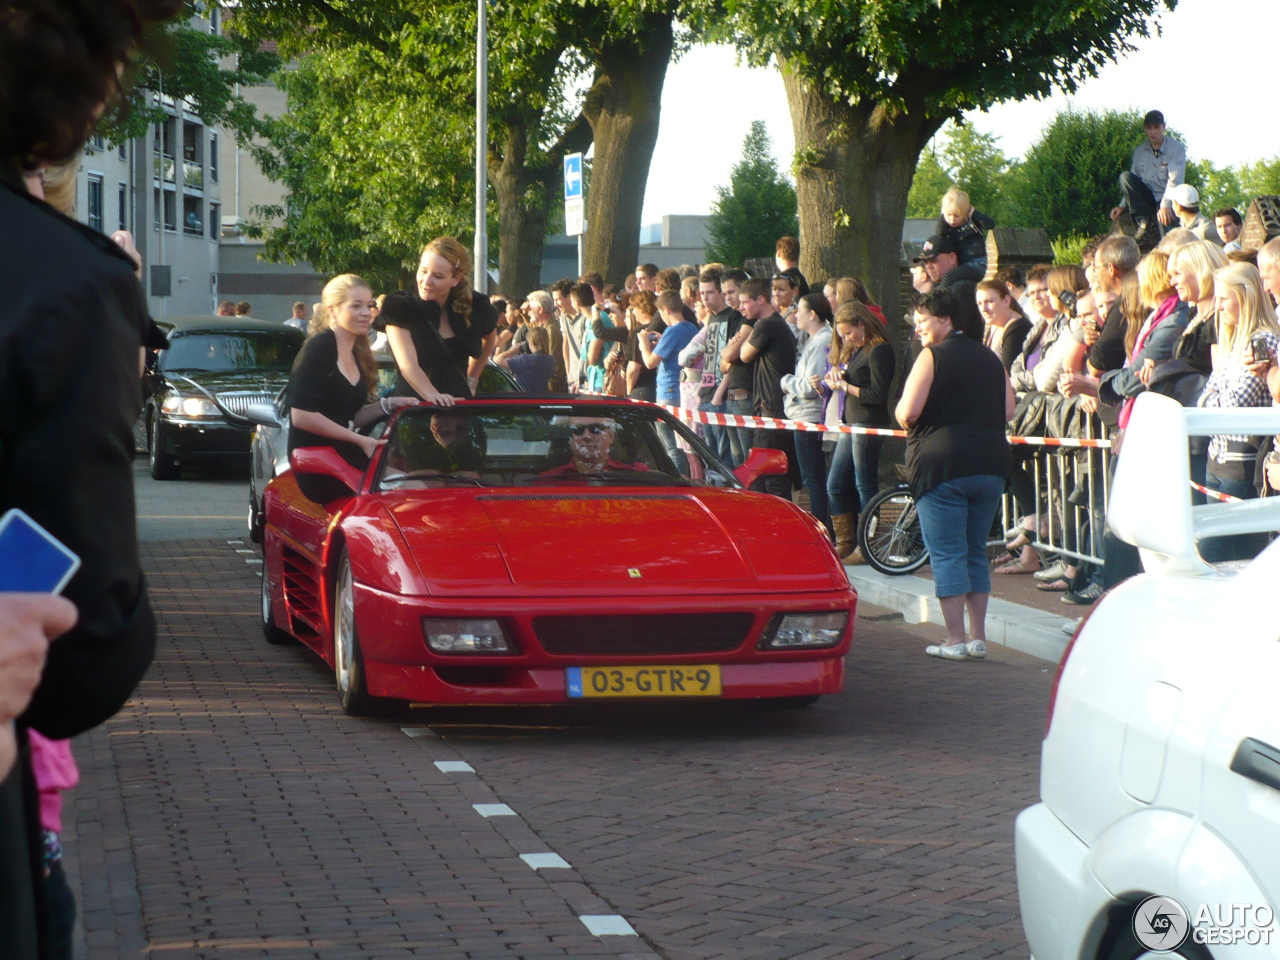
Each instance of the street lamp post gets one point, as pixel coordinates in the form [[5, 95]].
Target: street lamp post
[[482, 149]]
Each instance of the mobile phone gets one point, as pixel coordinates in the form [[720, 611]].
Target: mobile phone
[[32, 560]]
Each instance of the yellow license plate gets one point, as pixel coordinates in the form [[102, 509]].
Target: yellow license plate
[[652, 681]]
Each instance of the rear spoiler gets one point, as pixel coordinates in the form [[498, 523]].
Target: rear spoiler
[[1150, 503]]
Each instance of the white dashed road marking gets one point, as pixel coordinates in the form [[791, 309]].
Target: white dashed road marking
[[545, 861], [607, 925], [417, 732], [454, 766], [488, 810]]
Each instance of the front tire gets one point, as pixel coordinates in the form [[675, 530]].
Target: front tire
[[889, 534], [348, 661], [163, 466]]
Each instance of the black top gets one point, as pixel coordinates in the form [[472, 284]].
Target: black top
[[1108, 352], [443, 359], [632, 351], [961, 430], [777, 358], [871, 370], [741, 376], [970, 321], [970, 237], [1012, 338], [75, 317], [318, 386], [795, 274], [1196, 345]]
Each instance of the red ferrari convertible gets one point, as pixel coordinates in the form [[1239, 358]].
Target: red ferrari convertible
[[522, 551]]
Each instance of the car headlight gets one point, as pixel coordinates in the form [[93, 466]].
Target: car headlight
[[194, 407], [805, 630], [466, 636]]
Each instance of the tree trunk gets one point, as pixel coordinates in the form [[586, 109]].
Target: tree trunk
[[525, 192], [623, 106], [854, 164]]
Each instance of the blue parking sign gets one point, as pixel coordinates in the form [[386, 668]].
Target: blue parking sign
[[573, 176]]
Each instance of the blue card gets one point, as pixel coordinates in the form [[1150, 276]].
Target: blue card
[[32, 560]]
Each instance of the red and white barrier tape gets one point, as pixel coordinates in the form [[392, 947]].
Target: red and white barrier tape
[[1214, 494], [769, 423]]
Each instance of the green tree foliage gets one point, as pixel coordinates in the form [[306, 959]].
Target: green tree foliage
[[757, 207], [1067, 182], [931, 181], [184, 60], [368, 182], [869, 83], [974, 162]]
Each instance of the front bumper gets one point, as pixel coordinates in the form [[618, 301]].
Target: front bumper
[[193, 439], [1060, 899], [398, 663]]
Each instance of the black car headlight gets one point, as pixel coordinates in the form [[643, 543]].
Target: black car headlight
[[801, 631], [196, 408], [466, 636]]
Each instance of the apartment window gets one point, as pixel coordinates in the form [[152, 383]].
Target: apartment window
[[122, 205], [215, 18], [94, 208], [213, 157], [155, 208], [97, 143], [124, 150], [193, 216], [215, 221], [170, 210]]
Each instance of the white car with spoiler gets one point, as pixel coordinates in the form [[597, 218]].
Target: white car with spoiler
[[1158, 829]]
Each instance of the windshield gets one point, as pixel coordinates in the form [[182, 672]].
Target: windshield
[[527, 444], [226, 352]]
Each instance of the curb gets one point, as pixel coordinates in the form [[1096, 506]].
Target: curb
[[1015, 626]]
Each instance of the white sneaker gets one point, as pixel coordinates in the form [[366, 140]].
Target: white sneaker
[[949, 651], [977, 649]]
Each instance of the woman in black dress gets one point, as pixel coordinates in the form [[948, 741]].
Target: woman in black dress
[[329, 389], [442, 338]]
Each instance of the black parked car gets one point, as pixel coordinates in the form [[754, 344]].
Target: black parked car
[[197, 391]]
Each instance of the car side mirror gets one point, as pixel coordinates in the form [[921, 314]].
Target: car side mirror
[[263, 414], [761, 462], [325, 462]]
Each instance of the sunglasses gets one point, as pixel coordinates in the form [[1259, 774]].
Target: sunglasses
[[595, 429]]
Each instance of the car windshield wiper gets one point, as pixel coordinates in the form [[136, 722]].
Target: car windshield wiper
[[637, 477], [460, 477]]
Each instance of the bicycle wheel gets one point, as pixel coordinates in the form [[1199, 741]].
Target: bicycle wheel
[[889, 533]]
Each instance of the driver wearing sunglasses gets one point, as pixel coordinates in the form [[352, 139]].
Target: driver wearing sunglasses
[[590, 442]]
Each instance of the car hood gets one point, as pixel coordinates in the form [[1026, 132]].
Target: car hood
[[594, 542]]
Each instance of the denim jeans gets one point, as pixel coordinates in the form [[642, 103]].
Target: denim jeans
[[740, 437], [866, 465], [955, 519], [668, 437], [1242, 546], [842, 491], [716, 436], [813, 474]]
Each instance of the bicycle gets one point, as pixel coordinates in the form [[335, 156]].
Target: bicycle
[[889, 534]]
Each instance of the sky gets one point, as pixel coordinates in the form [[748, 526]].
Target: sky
[[1207, 48]]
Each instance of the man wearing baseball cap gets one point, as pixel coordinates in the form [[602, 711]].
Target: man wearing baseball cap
[[1159, 165], [1186, 204], [939, 258]]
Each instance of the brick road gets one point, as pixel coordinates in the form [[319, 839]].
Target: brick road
[[232, 810]]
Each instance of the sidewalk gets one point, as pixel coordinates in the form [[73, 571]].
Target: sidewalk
[[1019, 616]]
